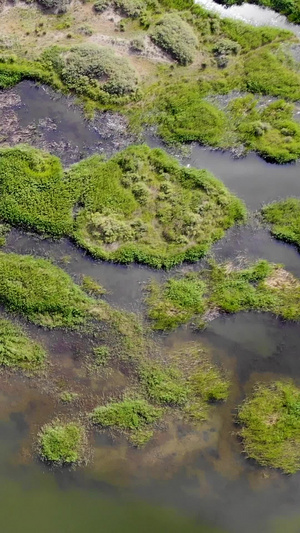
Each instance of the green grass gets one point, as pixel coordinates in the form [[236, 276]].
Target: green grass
[[164, 386], [17, 351], [132, 416], [42, 292], [93, 288], [209, 383], [270, 422], [133, 208], [33, 192], [262, 287], [62, 444], [284, 218]]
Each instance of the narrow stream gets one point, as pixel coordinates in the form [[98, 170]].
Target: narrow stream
[[186, 479]]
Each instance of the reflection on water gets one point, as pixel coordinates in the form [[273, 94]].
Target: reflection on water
[[252, 14]]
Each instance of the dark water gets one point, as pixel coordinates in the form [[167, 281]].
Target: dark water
[[193, 480]]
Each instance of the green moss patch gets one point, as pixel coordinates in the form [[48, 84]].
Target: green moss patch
[[284, 217], [260, 287], [62, 444], [33, 193], [42, 292], [17, 350], [270, 422], [143, 206]]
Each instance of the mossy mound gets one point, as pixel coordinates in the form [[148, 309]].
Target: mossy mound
[[284, 217], [33, 193], [62, 444], [270, 422], [42, 292], [260, 287], [17, 350], [143, 206], [89, 69], [176, 37]]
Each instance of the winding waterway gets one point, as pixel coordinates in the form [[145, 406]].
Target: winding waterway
[[185, 479]]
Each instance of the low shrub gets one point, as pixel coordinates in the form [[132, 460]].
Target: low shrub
[[88, 69], [271, 426], [130, 8], [57, 6], [17, 350], [176, 37], [62, 444]]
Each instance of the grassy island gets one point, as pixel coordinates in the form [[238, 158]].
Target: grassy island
[[141, 205], [223, 288], [62, 443], [270, 421], [284, 218]]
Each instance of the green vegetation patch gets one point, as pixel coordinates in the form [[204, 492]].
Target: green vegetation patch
[[33, 193], [62, 444], [176, 37], [260, 287], [270, 422], [42, 292], [284, 217], [17, 350], [133, 416], [90, 69], [143, 206]]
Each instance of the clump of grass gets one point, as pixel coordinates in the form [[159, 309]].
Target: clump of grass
[[260, 287], [101, 355], [4, 230], [270, 422], [90, 286], [284, 217], [101, 5], [183, 116], [62, 443], [133, 208], [68, 396], [164, 386], [33, 193], [209, 383], [18, 351], [42, 292], [133, 416], [180, 300], [176, 37]]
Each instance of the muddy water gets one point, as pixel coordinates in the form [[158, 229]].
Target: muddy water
[[186, 479]]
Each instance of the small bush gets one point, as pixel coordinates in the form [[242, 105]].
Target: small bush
[[101, 5], [130, 8], [176, 37], [270, 422], [17, 350], [62, 444], [86, 67], [57, 6]]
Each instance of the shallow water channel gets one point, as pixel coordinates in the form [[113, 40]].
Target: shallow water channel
[[185, 479]]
